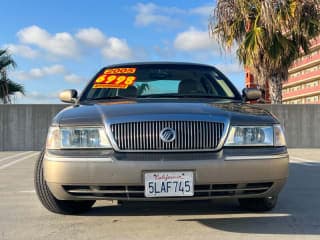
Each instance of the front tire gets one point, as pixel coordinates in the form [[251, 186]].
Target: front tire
[[49, 201], [258, 204]]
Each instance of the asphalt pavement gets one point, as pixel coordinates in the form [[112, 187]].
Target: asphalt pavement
[[297, 215]]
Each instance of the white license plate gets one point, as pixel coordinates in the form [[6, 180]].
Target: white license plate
[[168, 184]]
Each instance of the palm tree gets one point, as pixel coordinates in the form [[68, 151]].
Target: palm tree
[[269, 35], [142, 88], [7, 86]]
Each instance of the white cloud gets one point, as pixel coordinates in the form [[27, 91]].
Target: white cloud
[[73, 78], [230, 68], [205, 10], [117, 49], [21, 50], [92, 36], [111, 47], [59, 44], [194, 40], [151, 13], [36, 73], [37, 97], [64, 44]]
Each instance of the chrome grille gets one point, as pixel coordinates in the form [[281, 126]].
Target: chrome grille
[[145, 136]]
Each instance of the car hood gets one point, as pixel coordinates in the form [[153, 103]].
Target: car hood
[[142, 110]]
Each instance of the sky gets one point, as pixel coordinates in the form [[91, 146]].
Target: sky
[[61, 44]]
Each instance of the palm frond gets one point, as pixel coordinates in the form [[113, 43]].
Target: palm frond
[[15, 87], [11, 87], [269, 34], [7, 86], [6, 60]]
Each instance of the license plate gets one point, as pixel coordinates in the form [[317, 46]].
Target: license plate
[[168, 184]]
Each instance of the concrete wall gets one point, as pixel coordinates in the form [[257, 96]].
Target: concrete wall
[[301, 123], [24, 127]]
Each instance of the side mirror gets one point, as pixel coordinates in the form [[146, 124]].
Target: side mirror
[[68, 96], [251, 94]]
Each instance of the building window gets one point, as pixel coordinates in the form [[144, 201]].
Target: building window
[[312, 99]]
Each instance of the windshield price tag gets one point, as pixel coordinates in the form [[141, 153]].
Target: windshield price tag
[[120, 71], [116, 78], [114, 81]]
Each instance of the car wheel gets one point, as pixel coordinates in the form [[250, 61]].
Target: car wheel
[[258, 204], [49, 201]]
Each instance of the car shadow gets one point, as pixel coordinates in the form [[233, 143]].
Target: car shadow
[[297, 212], [167, 208], [261, 225]]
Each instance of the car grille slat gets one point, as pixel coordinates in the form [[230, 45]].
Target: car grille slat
[[145, 136], [206, 135]]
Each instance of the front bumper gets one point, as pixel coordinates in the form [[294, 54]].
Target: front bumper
[[112, 175]]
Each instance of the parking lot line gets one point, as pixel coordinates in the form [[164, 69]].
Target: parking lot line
[[28, 191], [13, 156], [18, 160], [303, 159]]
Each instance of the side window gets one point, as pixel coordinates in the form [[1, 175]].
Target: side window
[[222, 86], [225, 88]]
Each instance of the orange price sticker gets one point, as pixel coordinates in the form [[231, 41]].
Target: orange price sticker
[[120, 71], [114, 81]]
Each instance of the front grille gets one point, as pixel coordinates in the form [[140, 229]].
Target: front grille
[[145, 136], [136, 192]]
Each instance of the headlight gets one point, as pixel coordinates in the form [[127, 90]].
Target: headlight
[[256, 136], [77, 137]]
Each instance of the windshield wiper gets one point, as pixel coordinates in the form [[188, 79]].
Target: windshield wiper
[[166, 95], [158, 95], [183, 96], [108, 97]]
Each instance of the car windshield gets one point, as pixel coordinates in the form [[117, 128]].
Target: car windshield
[[160, 81]]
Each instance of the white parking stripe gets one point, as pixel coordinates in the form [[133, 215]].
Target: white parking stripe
[[293, 159], [303, 159], [13, 156], [18, 160], [28, 191]]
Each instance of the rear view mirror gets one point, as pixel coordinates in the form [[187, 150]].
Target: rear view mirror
[[251, 94], [68, 96]]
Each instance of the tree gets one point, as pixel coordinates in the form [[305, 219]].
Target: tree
[[7, 86], [269, 35], [142, 88]]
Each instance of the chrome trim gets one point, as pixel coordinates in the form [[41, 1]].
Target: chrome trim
[[78, 159], [97, 191], [174, 118], [108, 159], [167, 134], [234, 189], [257, 157]]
